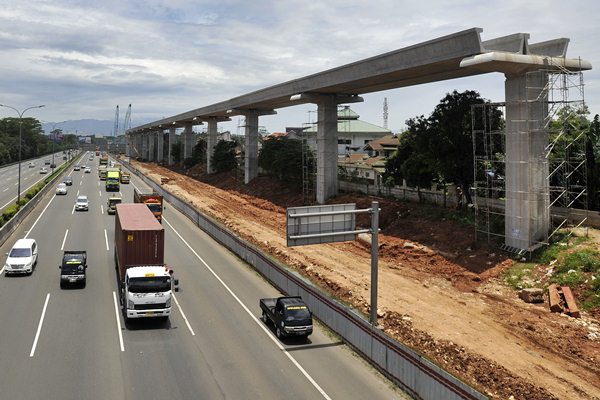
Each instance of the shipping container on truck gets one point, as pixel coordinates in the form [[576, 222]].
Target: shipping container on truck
[[145, 281]]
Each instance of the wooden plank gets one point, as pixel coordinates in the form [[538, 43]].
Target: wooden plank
[[572, 308], [554, 299]]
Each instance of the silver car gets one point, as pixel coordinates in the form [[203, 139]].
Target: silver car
[[81, 204], [61, 188]]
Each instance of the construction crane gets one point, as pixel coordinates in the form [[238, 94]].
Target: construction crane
[[127, 120], [116, 128]]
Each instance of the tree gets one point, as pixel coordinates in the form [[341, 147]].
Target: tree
[[282, 157], [177, 151], [198, 154], [412, 156], [593, 175], [450, 138], [223, 158]]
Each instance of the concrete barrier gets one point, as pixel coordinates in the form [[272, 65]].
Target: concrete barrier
[[10, 226], [415, 374]]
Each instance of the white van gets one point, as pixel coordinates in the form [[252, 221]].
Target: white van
[[22, 258]]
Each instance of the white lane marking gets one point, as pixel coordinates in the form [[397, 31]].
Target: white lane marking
[[39, 216], [100, 193], [5, 190], [73, 210], [17, 184], [106, 239], [256, 320], [64, 240], [80, 183], [23, 191], [39, 329], [102, 209], [78, 193], [118, 321], [183, 315]]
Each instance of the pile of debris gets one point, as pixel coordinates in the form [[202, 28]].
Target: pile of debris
[[560, 299]]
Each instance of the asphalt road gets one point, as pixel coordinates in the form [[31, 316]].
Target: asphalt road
[[29, 177], [73, 343]]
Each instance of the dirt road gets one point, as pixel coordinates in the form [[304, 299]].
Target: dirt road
[[439, 292]]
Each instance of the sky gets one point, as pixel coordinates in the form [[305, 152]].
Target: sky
[[83, 58]]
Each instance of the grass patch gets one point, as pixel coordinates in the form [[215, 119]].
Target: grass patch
[[520, 276], [571, 261]]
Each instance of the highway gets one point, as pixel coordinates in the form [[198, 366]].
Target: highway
[[29, 177], [74, 344]]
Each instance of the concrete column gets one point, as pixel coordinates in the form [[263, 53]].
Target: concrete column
[[327, 182], [251, 151], [160, 143], [211, 141], [145, 147], [187, 136], [128, 145], [527, 218], [151, 147], [172, 139]]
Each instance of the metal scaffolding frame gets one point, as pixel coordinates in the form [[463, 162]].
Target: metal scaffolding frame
[[566, 173], [309, 172]]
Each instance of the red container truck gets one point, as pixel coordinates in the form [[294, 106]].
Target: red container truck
[[146, 283]]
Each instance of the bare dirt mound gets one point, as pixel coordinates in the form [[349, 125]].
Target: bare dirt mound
[[439, 292]]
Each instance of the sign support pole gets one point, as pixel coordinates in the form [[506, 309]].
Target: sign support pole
[[374, 259]]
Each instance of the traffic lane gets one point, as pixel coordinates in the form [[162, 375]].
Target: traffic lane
[[79, 332], [82, 340], [9, 181], [22, 321], [323, 359], [159, 360], [320, 356], [231, 358], [244, 364]]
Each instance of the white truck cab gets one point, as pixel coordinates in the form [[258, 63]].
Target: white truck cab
[[147, 292]]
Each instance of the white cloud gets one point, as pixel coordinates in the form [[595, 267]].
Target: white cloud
[[82, 58]]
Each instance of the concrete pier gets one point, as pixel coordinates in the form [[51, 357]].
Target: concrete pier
[[160, 143], [211, 142]]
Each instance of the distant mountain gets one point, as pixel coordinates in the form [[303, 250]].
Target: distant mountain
[[81, 127]]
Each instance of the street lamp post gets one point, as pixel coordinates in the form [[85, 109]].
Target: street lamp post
[[20, 134]]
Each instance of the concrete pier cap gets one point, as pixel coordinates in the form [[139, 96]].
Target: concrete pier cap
[[527, 184]]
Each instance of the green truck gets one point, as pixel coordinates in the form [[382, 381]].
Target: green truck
[[113, 178]]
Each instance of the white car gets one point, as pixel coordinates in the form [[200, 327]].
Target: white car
[[31, 164], [87, 170], [81, 204], [22, 258], [61, 188], [43, 170]]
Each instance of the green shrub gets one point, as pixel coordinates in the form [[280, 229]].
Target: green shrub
[[517, 274], [587, 260], [570, 279], [551, 253], [9, 212]]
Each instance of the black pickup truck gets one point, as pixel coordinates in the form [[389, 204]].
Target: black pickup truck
[[73, 268], [290, 316]]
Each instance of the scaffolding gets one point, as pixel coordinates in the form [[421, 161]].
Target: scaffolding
[[563, 166], [309, 173]]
